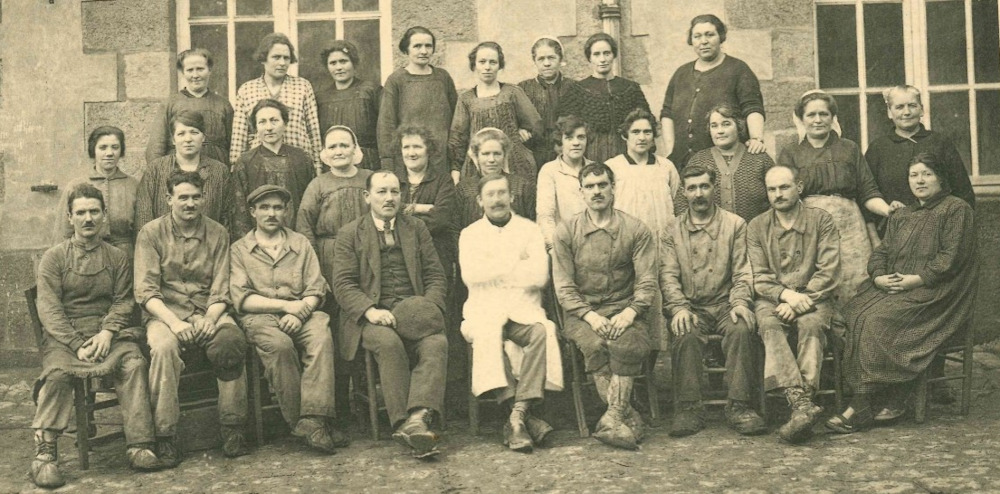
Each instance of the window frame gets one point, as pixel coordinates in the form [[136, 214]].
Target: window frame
[[916, 64], [285, 15]]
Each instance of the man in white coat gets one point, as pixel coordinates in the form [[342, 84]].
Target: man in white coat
[[514, 347]]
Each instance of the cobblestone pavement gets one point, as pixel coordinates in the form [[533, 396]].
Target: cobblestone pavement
[[949, 453]]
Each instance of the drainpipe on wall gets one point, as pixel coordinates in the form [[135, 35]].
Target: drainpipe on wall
[[610, 12]]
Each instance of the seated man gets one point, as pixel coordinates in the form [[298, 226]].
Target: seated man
[[385, 266], [182, 282], [706, 284], [85, 304], [794, 253], [605, 280], [505, 267], [276, 285]]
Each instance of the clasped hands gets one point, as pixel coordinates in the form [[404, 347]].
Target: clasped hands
[[613, 328], [685, 321], [898, 283], [199, 329], [96, 348]]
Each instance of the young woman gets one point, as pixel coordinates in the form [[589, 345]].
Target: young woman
[[346, 100], [558, 196], [545, 91]]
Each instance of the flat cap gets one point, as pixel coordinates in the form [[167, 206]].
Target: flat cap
[[268, 189]]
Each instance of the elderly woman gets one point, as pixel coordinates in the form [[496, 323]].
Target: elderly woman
[[836, 178], [711, 79], [603, 100], [417, 94], [346, 100], [545, 91], [489, 150], [921, 293], [195, 67], [188, 128], [558, 197], [493, 104], [106, 147], [740, 173], [276, 54]]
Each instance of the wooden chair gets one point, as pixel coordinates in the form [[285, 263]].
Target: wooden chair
[[715, 394], [261, 398], [959, 348], [832, 374], [364, 392]]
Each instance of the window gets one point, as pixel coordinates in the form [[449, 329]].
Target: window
[[950, 49], [231, 29]]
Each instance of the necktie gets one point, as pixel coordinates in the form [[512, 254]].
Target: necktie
[[390, 240]]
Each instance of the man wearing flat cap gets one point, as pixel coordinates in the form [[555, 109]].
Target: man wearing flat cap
[[391, 289], [182, 282], [276, 285]]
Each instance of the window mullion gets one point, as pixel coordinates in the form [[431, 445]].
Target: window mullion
[[862, 75], [385, 37], [231, 46]]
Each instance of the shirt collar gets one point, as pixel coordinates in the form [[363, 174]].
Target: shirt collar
[[919, 134], [651, 160], [612, 227], [429, 176], [189, 94], [798, 225], [96, 175], [79, 244], [565, 169], [933, 201], [830, 141], [711, 228], [200, 232], [251, 240], [267, 152], [380, 223], [544, 83]]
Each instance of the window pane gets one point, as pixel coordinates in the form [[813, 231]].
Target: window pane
[[306, 6], [838, 46], [208, 8], [849, 115], [365, 34], [213, 39], [950, 115], [884, 44], [253, 7], [986, 33], [360, 5], [248, 34], [314, 36], [988, 126], [946, 42], [878, 119]]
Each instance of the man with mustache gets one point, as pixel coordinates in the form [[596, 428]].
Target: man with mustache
[[505, 266], [605, 279], [276, 286], [182, 282], [794, 253], [391, 289], [706, 283]]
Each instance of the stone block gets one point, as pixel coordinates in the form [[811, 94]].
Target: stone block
[[447, 19], [754, 48], [780, 98], [133, 118], [793, 53], [766, 14], [455, 59], [127, 25], [147, 75], [496, 19]]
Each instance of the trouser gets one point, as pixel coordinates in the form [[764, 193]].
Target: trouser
[[55, 401], [165, 367], [298, 365], [530, 384], [782, 367], [402, 388], [623, 356], [737, 345]]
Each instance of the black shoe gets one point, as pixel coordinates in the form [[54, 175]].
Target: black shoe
[[234, 444], [166, 451], [744, 419], [415, 433], [538, 429], [316, 434], [687, 420]]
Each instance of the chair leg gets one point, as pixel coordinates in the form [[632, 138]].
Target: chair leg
[[473, 401], [838, 378], [920, 407], [82, 422], [759, 369], [576, 386], [967, 361], [372, 395], [257, 398], [654, 400]]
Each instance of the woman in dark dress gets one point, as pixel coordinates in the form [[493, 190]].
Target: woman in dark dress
[[921, 293], [346, 100], [545, 91]]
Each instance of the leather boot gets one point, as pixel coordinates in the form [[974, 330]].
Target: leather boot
[[601, 382], [416, 433], [537, 428], [634, 422], [612, 429], [805, 413], [45, 465], [516, 435]]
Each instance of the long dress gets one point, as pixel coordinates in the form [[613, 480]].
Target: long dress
[[892, 338], [425, 100], [509, 110], [356, 107], [214, 109], [290, 168], [329, 203], [739, 184], [837, 179], [546, 97], [119, 192], [603, 105]]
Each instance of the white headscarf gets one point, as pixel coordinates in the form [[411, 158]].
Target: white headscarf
[[359, 155], [506, 153], [562, 49]]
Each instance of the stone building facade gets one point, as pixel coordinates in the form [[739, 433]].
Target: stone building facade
[[67, 66]]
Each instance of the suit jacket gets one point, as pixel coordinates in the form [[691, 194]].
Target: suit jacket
[[357, 272]]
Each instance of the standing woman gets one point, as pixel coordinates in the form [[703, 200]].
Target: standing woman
[[741, 188], [493, 104], [106, 147], [545, 91], [417, 94], [195, 66], [558, 197], [713, 78], [488, 151], [346, 100], [836, 178], [276, 54], [188, 128], [603, 100]]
